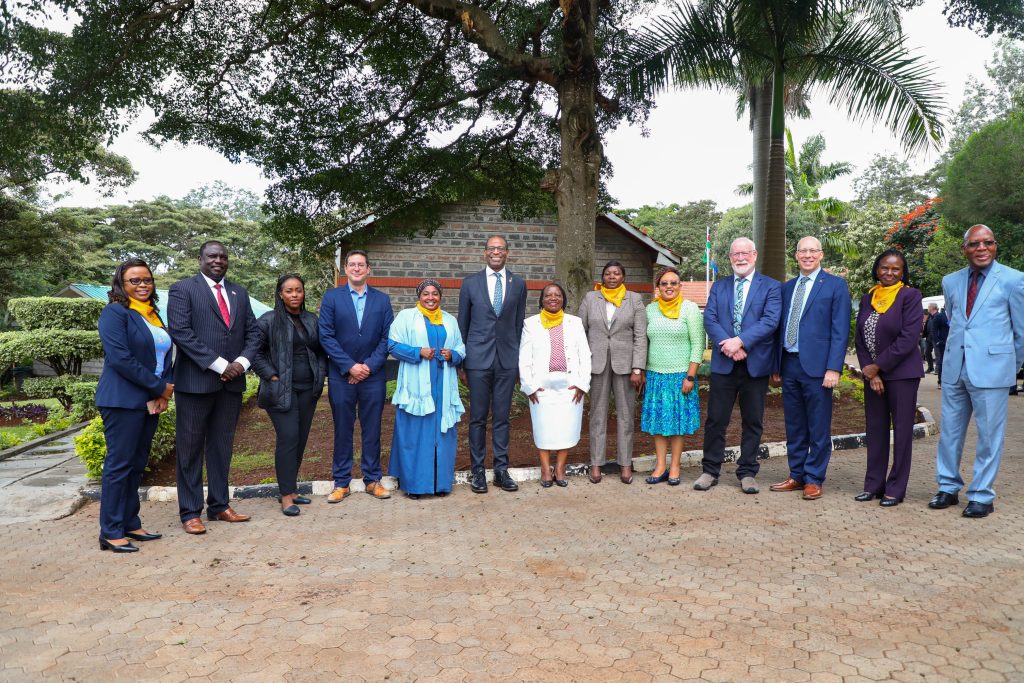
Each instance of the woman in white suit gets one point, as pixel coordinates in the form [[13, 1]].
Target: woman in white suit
[[554, 373]]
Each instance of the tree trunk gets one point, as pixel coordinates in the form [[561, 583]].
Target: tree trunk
[[773, 258], [581, 153], [760, 124]]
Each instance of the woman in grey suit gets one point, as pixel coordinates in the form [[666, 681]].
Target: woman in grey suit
[[616, 325]]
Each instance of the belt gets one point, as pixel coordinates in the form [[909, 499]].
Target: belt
[[792, 353]]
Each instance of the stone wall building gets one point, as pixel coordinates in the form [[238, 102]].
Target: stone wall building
[[456, 249]]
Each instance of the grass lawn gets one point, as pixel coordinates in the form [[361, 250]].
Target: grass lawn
[[50, 403], [23, 432]]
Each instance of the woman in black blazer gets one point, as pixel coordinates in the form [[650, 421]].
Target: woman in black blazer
[[133, 390], [292, 367]]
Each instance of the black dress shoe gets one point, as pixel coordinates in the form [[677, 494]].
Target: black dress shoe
[[290, 511], [977, 510], [142, 537], [887, 502], [503, 480], [864, 497], [126, 548], [300, 500], [943, 500], [478, 483]]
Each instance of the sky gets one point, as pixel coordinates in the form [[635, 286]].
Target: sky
[[696, 148]]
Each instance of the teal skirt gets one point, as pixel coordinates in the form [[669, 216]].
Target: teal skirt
[[667, 411]]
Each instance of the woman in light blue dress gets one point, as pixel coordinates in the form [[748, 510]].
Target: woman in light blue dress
[[428, 345]]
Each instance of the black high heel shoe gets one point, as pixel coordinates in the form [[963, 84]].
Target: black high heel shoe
[[126, 548], [865, 497], [657, 480], [143, 536], [559, 482], [548, 483], [887, 502]]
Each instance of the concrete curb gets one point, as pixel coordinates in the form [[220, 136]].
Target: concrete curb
[[644, 463], [35, 443]]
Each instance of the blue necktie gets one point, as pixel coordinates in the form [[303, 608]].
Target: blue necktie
[[737, 309], [795, 312], [497, 294]]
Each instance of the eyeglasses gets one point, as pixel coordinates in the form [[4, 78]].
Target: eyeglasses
[[136, 281], [742, 254], [977, 243], [669, 283], [495, 250], [801, 252]]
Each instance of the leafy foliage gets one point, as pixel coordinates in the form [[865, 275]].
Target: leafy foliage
[[942, 257], [55, 422], [59, 387], [83, 400], [888, 179], [913, 232], [56, 313], [8, 440], [867, 231], [91, 445], [680, 227], [32, 412]]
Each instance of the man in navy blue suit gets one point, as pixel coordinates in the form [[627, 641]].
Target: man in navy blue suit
[[212, 324], [812, 350], [741, 317], [354, 323]]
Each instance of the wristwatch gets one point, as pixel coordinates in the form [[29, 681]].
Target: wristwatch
[[691, 378], [636, 371]]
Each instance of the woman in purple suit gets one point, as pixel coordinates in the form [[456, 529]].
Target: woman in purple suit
[[888, 327]]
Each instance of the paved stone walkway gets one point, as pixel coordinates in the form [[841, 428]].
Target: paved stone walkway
[[588, 583], [41, 484]]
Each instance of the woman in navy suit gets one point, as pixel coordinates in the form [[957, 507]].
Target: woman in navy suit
[[133, 390], [888, 327]]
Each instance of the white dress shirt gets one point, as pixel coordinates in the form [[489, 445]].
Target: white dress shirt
[[221, 364]]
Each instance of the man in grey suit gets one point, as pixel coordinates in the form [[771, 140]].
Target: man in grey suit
[[492, 307], [210, 321], [984, 348]]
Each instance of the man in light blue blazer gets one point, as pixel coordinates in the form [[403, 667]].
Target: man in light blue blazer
[[985, 346], [812, 338], [741, 317]]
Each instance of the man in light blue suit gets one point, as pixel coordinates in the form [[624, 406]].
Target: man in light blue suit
[[812, 337], [985, 346], [741, 317]]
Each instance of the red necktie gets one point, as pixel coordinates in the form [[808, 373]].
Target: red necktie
[[972, 291], [223, 305]]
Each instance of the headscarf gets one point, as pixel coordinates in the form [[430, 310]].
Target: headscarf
[[147, 311], [882, 298], [433, 316]]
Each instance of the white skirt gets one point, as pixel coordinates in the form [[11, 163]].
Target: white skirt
[[556, 419]]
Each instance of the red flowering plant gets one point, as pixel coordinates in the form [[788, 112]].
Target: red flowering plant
[[913, 232]]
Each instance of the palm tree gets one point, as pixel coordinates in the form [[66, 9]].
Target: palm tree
[[844, 48]]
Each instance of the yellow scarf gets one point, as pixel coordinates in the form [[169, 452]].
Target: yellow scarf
[[670, 309], [883, 297], [615, 296], [433, 316], [549, 320], [146, 311]]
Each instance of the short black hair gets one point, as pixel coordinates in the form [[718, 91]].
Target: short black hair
[[117, 295], [898, 254], [614, 264], [565, 298], [207, 243], [355, 252]]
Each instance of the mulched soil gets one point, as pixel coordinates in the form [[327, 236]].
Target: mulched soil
[[255, 435]]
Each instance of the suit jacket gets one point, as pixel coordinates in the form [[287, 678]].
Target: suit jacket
[[346, 342], [895, 336], [198, 330], [762, 310], [624, 342], [824, 325], [937, 329], [275, 358], [535, 354], [128, 379], [988, 346], [491, 339]]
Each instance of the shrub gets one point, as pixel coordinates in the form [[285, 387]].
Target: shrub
[[56, 387], [8, 440], [56, 313], [83, 400], [252, 385], [56, 421], [848, 384], [57, 331], [30, 411], [91, 445]]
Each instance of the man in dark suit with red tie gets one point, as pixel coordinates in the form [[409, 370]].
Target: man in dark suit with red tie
[[492, 307], [212, 324]]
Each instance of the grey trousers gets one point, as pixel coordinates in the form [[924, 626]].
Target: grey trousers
[[625, 408]]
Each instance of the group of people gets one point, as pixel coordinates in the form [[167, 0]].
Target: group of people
[[762, 332]]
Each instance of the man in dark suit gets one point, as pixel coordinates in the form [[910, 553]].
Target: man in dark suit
[[492, 307], [937, 329], [210, 321], [812, 342], [741, 317], [354, 323]]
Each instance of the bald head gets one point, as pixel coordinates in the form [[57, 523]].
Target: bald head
[[808, 254]]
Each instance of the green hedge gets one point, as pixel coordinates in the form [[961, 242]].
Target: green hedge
[[56, 313], [91, 446], [83, 400], [61, 389], [56, 346], [8, 440]]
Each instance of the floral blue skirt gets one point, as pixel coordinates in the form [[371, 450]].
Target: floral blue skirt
[[667, 411]]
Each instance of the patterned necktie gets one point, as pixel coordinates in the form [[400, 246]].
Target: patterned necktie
[[497, 294], [737, 309], [972, 290], [223, 305], [794, 317]]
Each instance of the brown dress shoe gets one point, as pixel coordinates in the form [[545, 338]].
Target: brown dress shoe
[[339, 494], [788, 485], [230, 515], [194, 526], [377, 490], [812, 492]]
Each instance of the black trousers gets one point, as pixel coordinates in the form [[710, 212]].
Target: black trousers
[[490, 391], [205, 425], [292, 429], [722, 396]]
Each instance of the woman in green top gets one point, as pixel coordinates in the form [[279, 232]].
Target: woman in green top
[[675, 330]]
